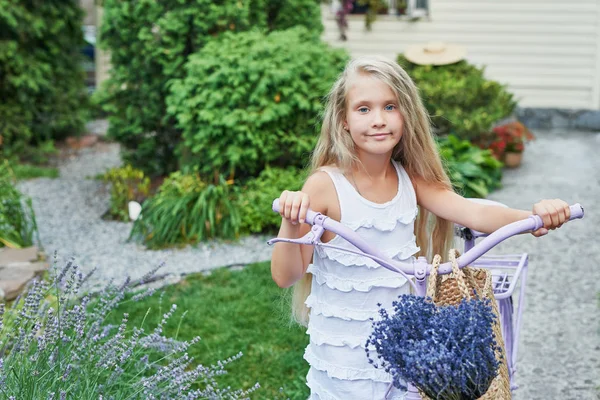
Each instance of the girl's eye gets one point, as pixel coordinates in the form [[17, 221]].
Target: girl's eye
[[390, 107], [363, 110]]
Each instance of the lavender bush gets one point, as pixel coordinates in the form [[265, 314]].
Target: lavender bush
[[448, 352], [55, 344]]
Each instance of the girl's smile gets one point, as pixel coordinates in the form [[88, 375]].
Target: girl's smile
[[372, 116]]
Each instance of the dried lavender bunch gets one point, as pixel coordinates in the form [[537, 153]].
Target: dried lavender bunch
[[55, 343], [448, 352]]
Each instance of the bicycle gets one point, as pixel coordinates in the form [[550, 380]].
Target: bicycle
[[507, 269]]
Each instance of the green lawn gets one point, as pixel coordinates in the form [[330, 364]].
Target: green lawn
[[29, 171], [234, 311]]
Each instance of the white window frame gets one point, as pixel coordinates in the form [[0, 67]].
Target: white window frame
[[414, 10]]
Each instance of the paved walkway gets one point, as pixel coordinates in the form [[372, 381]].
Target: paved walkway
[[559, 354]]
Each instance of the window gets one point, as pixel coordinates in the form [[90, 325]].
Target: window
[[408, 8]]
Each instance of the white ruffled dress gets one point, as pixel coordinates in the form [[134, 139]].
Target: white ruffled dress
[[346, 289]]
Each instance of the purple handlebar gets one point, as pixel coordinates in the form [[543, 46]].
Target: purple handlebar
[[532, 223]]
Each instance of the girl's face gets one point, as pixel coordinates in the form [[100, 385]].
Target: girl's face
[[372, 116]]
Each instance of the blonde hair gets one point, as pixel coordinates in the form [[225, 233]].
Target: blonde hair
[[416, 152]]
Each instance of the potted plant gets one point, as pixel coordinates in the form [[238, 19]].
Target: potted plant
[[509, 142]]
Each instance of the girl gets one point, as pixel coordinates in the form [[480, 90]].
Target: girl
[[377, 170]]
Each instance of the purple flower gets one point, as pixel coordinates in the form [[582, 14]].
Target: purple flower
[[448, 352]]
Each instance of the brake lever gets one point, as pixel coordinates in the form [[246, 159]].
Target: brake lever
[[312, 237]]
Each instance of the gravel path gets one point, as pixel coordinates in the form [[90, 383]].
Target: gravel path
[[69, 210], [559, 354]]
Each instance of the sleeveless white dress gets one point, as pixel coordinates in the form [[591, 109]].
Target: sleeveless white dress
[[347, 287]]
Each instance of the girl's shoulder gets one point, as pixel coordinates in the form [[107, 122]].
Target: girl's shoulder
[[321, 190]]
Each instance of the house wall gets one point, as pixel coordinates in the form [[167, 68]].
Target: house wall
[[546, 51]]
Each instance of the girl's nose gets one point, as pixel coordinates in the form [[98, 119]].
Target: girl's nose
[[378, 119]]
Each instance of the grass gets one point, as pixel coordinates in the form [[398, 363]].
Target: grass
[[28, 171], [234, 311]]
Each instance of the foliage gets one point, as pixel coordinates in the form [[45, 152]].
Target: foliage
[[448, 352], [28, 171], [460, 100], [127, 184], [150, 42], [474, 172], [236, 311], [41, 154], [17, 219], [374, 7], [257, 194], [510, 138], [57, 343], [41, 77], [187, 210], [248, 101]]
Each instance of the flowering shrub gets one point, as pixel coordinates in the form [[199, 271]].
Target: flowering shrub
[[56, 344], [127, 184], [447, 352], [510, 138]]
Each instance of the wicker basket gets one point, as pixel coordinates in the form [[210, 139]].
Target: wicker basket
[[450, 289]]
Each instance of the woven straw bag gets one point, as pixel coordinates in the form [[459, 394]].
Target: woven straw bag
[[450, 289]]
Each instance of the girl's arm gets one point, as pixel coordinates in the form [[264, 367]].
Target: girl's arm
[[289, 261], [486, 218]]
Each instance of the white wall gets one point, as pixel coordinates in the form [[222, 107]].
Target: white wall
[[547, 51]]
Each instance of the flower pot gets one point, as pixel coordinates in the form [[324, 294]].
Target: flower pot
[[512, 160]]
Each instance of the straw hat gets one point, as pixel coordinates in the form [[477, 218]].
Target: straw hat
[[435, 53]]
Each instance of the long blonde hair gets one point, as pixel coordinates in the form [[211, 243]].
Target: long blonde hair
[[416, 152]]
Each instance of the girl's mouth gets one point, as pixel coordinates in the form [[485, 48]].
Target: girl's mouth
[[379, 135]]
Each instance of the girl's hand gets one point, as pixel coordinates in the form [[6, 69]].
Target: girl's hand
[[554, 213], [293, 206]]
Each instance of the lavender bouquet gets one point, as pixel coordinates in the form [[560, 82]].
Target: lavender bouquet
[[55, 343], [447, 352]]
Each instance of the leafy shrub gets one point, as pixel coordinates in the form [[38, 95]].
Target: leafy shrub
[[474, 172], [17, 219], [254, 199], [150, 42], [127, 184], [57, 344], [459, 98], [41, 77], [248, 101], [187, 210]]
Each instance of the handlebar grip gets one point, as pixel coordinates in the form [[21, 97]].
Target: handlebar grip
[[310, 214], [576, 213]]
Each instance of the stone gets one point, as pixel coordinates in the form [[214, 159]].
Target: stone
[[82, 142], [12, 287], [8, 256]]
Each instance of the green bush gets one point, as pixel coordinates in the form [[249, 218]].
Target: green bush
[[127, 184], [254, 199], [459, 99], [187, 210], [474, 172], [17, 220], [248, 101], [150, 42], [41, 76]]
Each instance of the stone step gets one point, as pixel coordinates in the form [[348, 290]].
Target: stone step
[[17, 268]]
